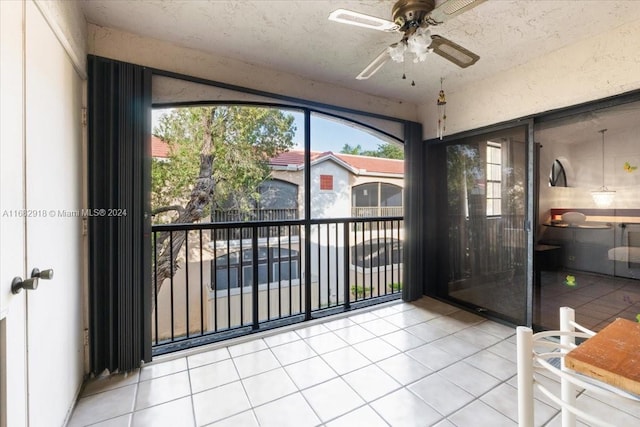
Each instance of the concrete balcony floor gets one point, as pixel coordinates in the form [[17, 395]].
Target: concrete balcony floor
[[423, 363]]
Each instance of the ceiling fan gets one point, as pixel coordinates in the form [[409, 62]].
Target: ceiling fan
[[413, 18]]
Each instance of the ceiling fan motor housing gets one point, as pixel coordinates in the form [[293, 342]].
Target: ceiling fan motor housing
[[411, 13]]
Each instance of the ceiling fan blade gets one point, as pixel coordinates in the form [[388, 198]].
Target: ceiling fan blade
[[375, 65], [453, 52], [345, 16], [450, 8]]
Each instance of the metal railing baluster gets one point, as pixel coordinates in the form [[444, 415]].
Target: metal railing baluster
[[290, 270], [201, 286], [228, 279], [155, 284], [255, 279], [171, 282], [186, 279]]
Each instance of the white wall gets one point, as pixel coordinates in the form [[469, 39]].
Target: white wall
[[330, 203], [123, 46], [603, 65], [66, 20], [41, 172]]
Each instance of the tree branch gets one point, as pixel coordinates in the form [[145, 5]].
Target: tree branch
[[178, 208]]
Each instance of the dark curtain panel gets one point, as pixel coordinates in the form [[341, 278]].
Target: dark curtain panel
[[119, 126], [415, 211]]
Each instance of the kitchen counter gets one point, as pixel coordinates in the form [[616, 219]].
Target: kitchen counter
[[585, 225]]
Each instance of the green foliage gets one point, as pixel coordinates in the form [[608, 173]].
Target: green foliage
[[360, 291], [387, 151], [348, 149], [243, 139], [396, 287]]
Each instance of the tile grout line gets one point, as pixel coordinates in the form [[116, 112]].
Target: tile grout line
[[349, 345]]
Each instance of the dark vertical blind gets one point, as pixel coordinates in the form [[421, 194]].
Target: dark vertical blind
[[119, 126], [414, 213]]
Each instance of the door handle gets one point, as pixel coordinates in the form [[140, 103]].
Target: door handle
[[44, 274], [31, 284]]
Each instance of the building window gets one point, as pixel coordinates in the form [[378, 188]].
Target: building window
[[494, 178], [277, 200], [277, 194], [273, 266], [376, 199], [326, 182]]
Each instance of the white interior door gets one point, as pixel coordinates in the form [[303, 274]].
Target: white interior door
[[13, 389], [41, 339], [53, 126]]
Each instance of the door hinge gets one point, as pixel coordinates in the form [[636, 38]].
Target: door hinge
[[84, 116], [86, 337], [85, 225]]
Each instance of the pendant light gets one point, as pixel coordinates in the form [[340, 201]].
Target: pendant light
[[603, 197]]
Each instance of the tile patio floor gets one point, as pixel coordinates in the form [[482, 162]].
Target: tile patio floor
[[401, 364]]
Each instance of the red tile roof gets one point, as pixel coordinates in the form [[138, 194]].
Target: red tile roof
[[295, 157], [159, 148], [373, 164], [362, 163]]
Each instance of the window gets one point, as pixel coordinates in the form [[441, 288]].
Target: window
[[557, 176], [494, 178], [376, 199], [283, 266], [277, 194], [326, 182], [390, 195]]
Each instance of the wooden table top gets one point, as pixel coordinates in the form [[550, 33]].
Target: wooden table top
[[611, 356]]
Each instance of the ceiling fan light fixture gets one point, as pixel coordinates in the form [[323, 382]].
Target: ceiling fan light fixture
[[396, 51], [419, 44], [361, 20]]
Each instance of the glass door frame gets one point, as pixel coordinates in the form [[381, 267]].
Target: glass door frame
[[436, 279]]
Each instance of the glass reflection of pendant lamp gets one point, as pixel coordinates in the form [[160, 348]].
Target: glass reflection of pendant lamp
[[603, 197]]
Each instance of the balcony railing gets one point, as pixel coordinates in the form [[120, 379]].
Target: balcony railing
[[236, 278], [376, 211], [503, 246], [237, 215]]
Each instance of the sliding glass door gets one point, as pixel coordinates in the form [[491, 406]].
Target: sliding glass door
[[486, 238]]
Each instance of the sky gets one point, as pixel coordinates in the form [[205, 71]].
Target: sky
[[331, 135], [326, 134]]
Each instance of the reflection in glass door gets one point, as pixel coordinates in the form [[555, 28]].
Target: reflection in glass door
[[485, 217]]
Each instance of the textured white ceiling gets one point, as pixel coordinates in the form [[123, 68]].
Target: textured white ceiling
[[296, 37]]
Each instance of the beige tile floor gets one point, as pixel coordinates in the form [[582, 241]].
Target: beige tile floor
[[401, 364]]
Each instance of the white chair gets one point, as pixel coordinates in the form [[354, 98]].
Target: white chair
[[532, 362]]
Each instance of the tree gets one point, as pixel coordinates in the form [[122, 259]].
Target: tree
[[217, 157], [348, 149], [387, 151]]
